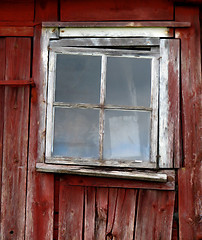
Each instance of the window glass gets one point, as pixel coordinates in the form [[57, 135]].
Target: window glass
[[127, 135], [76, 133], [128, 81], [78, 78]]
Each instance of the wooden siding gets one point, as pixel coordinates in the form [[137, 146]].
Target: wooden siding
[[114, 213], [40, 188], [20, 10], [115, 10], [43, 206], [190, 181], [15, 138], [169, 110]]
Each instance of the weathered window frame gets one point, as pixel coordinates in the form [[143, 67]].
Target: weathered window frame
[[79, 167], [153, 55]]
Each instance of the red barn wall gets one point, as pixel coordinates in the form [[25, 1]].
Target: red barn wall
[[46, 206]]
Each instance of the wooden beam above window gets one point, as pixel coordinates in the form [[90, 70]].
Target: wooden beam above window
[[169, 24]]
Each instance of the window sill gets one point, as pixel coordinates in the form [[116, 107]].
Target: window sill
[[143, 175]]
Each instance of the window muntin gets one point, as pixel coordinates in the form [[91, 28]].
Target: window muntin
[[134, 110]]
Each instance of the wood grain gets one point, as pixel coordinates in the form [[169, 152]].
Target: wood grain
[[15, 141], [2, 93], [169, 105], [72, 180], [71, 202], [16, 31], [121, 214], [190, 183], [40, 188], [101, 209], [154, 214], [46, 10], [89, 218]]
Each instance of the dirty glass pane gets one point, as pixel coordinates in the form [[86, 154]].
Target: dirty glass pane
[[78, 78], [76, 133], [127, 135], [128, 81]]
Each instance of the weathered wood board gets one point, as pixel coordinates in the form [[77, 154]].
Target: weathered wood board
[[115, 10], [190, 182], [154, 215], [110, 213], [2, 90], [70, 212], [169, 109], [15, 140], [40, 187]]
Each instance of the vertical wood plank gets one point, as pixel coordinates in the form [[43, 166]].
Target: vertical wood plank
[[191, 83], [101, 213], [169, 109], [122, 220], [2, 89], [190, 182], [40, 187], [56, 205], [116, 10], [15, 141], [154, 214], [112, 204], [71, 202], [46, 10], [186, 204], [89, 220]]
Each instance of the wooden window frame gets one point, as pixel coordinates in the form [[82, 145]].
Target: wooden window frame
[[141, 37]]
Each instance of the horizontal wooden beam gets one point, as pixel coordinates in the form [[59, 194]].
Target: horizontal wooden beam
[[80, 170], [73, 178], [7, 31], [170, 24], [19, 24], [17, 83]]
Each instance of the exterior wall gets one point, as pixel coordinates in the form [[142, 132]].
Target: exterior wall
[[46, 206]]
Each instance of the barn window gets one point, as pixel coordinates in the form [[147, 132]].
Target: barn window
[[103, 102]]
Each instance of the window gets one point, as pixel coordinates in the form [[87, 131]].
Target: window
[[104, 98]]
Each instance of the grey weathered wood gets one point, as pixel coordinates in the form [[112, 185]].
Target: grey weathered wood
[[155, 106], [96, 162], [47, 34], [108, 52], [104, 42], [145, 176], [107, 106], [115, 32], [50, 100], [169, 119], [102, 102], [114, 24]]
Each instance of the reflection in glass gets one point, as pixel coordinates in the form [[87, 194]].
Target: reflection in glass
[[128, 81], [127, 135], [78, 79], [76, 133]]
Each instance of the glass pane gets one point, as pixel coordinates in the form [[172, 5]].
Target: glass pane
[[128, 81], [76, 133], [127, 135], [78, 79]]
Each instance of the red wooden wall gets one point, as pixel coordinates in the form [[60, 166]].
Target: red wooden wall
[[46, 206]]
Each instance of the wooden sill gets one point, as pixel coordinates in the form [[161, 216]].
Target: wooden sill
[[143, 175]]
